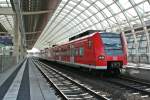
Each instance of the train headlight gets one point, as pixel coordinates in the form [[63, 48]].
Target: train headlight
[[101, 57]]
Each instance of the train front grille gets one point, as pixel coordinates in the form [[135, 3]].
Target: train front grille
[[114, 64]]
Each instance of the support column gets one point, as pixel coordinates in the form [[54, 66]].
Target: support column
[[18, 47], [15, 52]]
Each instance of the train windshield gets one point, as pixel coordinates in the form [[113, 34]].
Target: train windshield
[[112, 43]]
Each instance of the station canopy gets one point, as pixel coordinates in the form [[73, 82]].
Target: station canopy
[[6, 20], [76, 16]]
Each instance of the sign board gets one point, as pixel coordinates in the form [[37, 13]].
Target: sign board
[[6, 40]]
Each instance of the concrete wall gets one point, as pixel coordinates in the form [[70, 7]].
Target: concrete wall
[[6, 62]]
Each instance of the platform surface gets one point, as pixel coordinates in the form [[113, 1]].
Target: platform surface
[[141, 71], [139, 65], [27, 84], [4, 75]]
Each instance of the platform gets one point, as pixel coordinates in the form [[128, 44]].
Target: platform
[[140, 71], [25, 82], [139, 66]]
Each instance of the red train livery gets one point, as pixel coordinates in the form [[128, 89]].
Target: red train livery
[[94, 50]]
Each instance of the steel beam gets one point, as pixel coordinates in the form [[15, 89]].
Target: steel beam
[[30, 40], [36, 12], [9, 11], [3, 32], [32, 32], [6, 11]]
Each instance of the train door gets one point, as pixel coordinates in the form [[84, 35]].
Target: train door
[[89, 51], [71, 54], [59, 58]]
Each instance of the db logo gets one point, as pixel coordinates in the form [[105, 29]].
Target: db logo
[[114, 58]]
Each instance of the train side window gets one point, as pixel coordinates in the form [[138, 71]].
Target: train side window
[[68, 52], [72, 52], [81, 51], [76, 52], [89, 43]]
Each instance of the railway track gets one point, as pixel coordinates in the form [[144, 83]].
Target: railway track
[[135, 86], [68, 88]]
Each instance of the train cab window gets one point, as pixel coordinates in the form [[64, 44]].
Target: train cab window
[[81, 51]]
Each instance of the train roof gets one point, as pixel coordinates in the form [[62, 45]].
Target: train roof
[[88, 32], [79, 38], [84, 35]]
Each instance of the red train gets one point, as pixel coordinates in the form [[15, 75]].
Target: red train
[[93, 50]]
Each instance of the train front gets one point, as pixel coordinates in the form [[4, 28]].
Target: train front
[[114, 53]]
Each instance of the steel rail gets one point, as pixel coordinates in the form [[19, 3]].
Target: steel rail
[[129, 85], [134, 80], [50, 81], [91, 92]]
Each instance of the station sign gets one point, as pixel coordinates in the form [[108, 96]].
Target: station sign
[[6, 40]]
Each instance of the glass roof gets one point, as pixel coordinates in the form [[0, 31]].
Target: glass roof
[[6, 20], [75, 16]]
